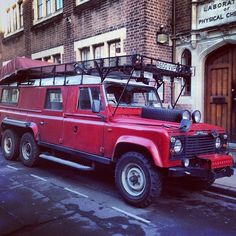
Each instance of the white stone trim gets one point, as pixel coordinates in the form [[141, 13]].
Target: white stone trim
[[105, 38], [79, 2], [49, 52]]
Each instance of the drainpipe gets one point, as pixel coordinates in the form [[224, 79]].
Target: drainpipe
[[173, 31]]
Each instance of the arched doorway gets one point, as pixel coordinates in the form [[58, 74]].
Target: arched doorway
[[220, 89]]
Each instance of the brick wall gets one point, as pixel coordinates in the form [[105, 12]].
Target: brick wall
[[183, 16], [142, 19]]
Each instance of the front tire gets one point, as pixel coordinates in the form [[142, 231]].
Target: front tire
[[138, 182], [10, 144], [29, 151]]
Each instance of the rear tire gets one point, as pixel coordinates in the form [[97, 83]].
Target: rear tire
[[137, 180], [10, 144], [29, 151]]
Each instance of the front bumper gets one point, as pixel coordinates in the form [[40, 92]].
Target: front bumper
[[200, 172]]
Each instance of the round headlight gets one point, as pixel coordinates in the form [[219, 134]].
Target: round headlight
[[196, 116], [218, 143], [186, 115], [177, 146]]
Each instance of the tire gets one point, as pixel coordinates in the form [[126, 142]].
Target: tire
[[10, 144], [29, 151], [138, 182]]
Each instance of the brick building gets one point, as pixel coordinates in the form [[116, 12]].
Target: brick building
[[200, 33]]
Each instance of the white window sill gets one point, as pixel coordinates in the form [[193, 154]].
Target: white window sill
[[38, 21], [78, 2], [13, 33]]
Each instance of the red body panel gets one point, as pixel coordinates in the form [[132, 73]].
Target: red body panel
[[102, 133]]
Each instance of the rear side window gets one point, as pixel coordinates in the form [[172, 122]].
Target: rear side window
[[86, 97], [54, 99], [10, 96]]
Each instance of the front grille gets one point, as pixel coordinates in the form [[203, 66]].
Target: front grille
[[195, 145]]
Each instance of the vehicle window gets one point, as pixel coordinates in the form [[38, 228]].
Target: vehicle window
[[136, 96], [53, 99], [86, 97], [10, 95]]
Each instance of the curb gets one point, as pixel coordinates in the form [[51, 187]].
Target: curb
[[223, 189]]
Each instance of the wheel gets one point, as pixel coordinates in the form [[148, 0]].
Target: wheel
[[138, 182], [10, 144], [29, 151]]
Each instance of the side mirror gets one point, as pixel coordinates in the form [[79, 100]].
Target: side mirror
[[96, 106]]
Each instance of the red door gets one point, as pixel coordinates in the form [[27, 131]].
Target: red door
[[83, 129], [50, 122], [220, 89]]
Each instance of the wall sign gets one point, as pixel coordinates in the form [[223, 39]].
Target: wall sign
[[216, 12]]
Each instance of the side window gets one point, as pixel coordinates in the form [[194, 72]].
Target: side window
[[54, 99], [10, 96], [86, 97]]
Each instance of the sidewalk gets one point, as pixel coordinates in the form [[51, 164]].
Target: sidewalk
[[227, 185]]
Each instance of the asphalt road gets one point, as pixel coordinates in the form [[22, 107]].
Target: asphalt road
[[56, 200]]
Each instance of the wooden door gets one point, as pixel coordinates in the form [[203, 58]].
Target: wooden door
[[220, 90]]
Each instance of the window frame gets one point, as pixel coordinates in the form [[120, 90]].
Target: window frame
[[91, 98], [186, 59], [48, 104], [9, 96]]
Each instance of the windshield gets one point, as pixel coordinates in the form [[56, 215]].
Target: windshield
[[134, 95]]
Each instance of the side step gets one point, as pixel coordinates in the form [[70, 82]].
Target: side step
[[67, 163]]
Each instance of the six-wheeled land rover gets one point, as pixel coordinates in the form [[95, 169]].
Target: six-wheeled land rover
[[108, 111]]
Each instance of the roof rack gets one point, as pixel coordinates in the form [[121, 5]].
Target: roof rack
[[139, 67]]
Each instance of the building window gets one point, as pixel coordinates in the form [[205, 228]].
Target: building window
[[85, 54], [98, 51], [114, 48], [186, 59], [8, 21], [109, 44], [59, 4], [46, 8], [20, 7], [56, 58], [40, 8], [14, 18]]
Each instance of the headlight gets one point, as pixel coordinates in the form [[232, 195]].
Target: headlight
[[186, 115], [178, 146], [218, 143], [196, 116]]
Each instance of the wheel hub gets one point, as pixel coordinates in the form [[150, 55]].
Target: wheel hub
[[133, 179], [8, 145]]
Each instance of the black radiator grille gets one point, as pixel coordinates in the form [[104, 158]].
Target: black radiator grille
[[195, 145], [199, 145]]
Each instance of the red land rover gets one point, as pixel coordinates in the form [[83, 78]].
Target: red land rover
[[108, 111]]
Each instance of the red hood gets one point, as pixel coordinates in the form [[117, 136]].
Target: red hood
[[171, 127]]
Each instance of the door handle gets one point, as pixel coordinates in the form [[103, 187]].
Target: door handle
[[41, 122], [75, 129]]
